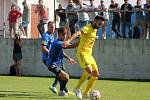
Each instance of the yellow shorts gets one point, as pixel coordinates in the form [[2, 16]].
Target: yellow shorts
[[87, 60]]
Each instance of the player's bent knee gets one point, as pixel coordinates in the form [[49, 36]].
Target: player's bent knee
[[88, 70], [95, 74], [64, 76]]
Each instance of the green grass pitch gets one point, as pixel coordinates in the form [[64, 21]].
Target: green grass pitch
[[36, 88]]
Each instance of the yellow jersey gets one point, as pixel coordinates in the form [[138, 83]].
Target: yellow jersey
[[87, 39]]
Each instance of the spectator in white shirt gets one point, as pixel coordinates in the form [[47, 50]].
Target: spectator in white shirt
[[92, 14], [83, 17]]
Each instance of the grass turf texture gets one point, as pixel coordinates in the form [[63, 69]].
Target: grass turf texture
[[36, 88]]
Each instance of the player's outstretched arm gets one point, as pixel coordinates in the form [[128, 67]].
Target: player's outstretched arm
[[67, 42], [72, 45], [70, 60]]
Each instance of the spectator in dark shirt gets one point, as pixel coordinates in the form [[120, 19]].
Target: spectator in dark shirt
[[102, 7], [61, 13], [115, 18], [72, 15], [17, 54], [148, 15], [126, 12], [140, 19]]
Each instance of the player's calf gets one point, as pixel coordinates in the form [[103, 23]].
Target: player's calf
[[63, 79], [63, 75]]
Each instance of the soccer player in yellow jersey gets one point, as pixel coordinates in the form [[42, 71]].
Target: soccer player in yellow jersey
[[84, 54]]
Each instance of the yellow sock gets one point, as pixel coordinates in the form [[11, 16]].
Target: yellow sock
[[90, 85], [84, 76]]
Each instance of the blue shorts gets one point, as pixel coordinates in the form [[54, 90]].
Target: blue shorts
[[24, 24]]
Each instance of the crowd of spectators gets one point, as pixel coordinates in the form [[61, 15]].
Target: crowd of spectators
[[122, 21], [118, 17]]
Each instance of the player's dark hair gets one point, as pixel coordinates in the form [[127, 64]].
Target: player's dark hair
[[61, 30], [99, 17]]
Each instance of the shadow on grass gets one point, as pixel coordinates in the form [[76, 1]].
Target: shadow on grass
[[31, 95]]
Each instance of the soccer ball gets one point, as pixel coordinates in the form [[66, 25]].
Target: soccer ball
[[95, 95]]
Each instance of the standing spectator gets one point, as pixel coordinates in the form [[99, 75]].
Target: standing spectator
[[103, 8], [147, 14], [72, 15], [17, 54], [13, 15], [115, 18], [25, 19], [103, 13], [91, 12], [140, 19], [42, 13], [62, 14], [83, 16], [126, 12]]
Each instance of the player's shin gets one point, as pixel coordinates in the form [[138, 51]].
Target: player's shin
[[63, 85], [84, 76], [55, 82], [90, 85]]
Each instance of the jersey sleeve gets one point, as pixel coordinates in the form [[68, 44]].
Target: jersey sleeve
[[55, 47], [59, 45], [85, 29], [44, 40]]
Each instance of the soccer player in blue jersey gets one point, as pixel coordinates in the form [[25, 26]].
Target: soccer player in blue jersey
[[47, 39], [55, 60]]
